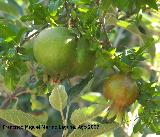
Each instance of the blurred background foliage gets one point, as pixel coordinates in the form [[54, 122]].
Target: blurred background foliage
[[125, 34]]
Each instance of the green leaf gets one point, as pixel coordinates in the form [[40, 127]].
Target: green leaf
[[26, 18], [74, 14], [85, 114], [77, 89], [3, 85], [27, 51], [105, 4], [21, 118], [53, 7], [101, 129], [156, 100], [8, 30], [78, 2], [123, 67], [9, 8], [152, 4], [137, 127], [139, 72], [111, 18], [121, 4], [95, 97], [104, 59], [58, 98], [131, 28], [87, 88], [38, 12], [36, 104], [11, 78]]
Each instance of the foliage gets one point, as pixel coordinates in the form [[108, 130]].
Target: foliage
[[122, 34]]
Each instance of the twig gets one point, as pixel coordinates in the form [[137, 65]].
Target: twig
[[68, 16], [64, 123], [34, 34], [65, 120], [109, 28], [102, 23], [16, 93], [67, 113], [126, 16], [66, 5], [98, 2], [6, 102], [20, 93], [62, 115]]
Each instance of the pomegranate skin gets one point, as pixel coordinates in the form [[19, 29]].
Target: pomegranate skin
[[122, 91]]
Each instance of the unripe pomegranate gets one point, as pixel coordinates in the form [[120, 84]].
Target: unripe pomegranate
[[122, 91], [85, 60], [55, 50]]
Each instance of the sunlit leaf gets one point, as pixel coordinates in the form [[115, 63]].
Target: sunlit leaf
[[85, 114], [94, 97], [20, 118], [101, 128], [58, 98]]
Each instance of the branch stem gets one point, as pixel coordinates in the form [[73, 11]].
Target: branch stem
[[34, 34], [102, 23]]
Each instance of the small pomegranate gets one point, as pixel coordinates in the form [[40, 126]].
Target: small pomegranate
[[122, 91]]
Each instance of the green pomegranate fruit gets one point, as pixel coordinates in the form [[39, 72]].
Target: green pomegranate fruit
[[55, 50], [85, 58], [122, 91]]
